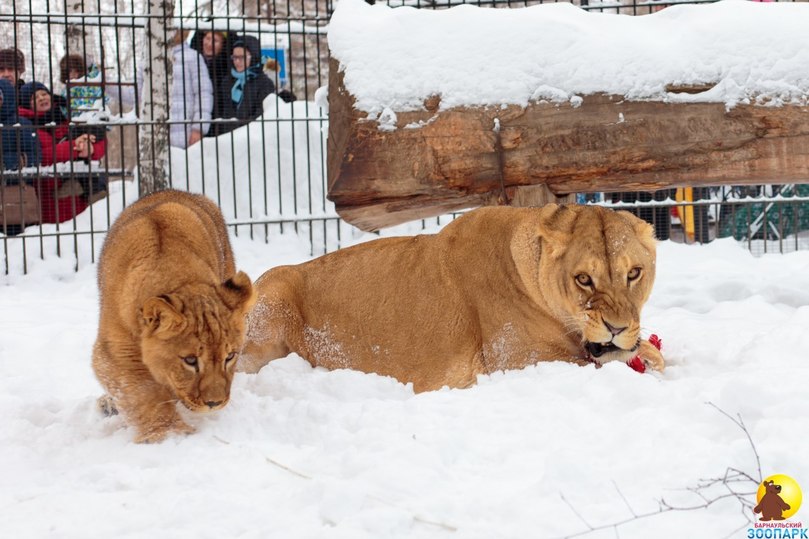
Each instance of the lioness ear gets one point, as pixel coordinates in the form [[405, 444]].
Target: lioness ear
[[161, 318], [555, 226], [646, 234], [238, 292]]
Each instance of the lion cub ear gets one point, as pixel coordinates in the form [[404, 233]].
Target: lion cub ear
[[238, 292], [161, 318]]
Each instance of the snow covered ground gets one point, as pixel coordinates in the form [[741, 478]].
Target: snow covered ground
[[309, 453], [303, 453]]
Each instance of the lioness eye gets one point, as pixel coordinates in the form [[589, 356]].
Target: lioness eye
[[230, 357], [191, 361], [584, 279], [633, 274]]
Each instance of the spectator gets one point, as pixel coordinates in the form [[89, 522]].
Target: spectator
[[191, 95], [244, 90], [214, 46], [35, 103], [19, 148], [80, 95], [12, 66], [60, 199]]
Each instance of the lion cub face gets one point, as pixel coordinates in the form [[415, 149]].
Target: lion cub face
[[191, 339], [604, 276]]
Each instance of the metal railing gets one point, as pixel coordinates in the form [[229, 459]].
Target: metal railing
[[269, 177]]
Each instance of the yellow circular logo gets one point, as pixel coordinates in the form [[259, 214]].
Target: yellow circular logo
[[778, 498]]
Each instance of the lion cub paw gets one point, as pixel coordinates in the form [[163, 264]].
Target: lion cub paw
[[158, 432], [651, 356]]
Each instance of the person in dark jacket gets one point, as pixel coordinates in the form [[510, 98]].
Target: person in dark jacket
[[60, 199], [19, 148], [20, 145], [214, 46], [243, 91], [12, 66]]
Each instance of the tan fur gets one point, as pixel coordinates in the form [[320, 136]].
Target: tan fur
[[169, 290], [496, 289]]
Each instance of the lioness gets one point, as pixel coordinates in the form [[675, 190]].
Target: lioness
[[172, 312], [499, 288]]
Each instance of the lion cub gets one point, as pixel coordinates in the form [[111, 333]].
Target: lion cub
[[172, 313]]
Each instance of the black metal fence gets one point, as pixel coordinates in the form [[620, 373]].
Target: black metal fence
[[268, 173]]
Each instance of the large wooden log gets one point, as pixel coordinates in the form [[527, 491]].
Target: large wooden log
[[457, 159]]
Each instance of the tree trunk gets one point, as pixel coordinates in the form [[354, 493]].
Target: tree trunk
[[457, 158], [77, 39], [154, 111]]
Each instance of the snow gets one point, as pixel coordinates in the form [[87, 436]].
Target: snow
[[751, 51], [302, 452]]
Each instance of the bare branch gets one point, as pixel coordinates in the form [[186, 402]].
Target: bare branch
[[576, 513], [729, 479], [621, 494], [740, 423]]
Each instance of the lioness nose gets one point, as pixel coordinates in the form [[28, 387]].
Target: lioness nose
[[213, 404], [614, 330]]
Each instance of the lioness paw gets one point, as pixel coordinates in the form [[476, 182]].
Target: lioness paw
[[651, 356]]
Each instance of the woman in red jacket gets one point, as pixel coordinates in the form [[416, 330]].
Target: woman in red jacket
[[60, 199]]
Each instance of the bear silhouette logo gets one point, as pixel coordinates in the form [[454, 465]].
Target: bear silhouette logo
[[771, 506]]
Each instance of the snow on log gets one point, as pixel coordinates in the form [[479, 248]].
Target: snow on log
[[432, 111]]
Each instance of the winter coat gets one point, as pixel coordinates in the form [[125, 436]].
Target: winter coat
[[257, 86], [191, 95], [57, 147], [190, 98], [80, 97], [218, 68], [19, 146]]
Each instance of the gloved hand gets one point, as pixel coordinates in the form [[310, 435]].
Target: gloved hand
[[287, 96]]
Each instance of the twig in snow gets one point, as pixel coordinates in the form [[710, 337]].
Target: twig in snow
[[742, 426], [416, 518], [728, 480], [271, 461], [621, 494], [287, 468]]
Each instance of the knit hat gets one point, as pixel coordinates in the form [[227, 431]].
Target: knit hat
[[27, 91]]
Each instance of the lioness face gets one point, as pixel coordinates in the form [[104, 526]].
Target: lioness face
[[605, 275], [190, 344]]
